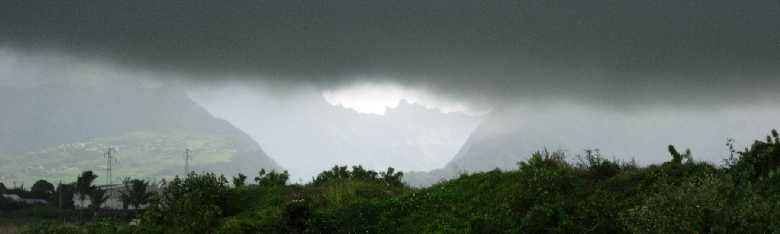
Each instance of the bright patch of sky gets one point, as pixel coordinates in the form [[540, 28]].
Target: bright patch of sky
[[372, 98]]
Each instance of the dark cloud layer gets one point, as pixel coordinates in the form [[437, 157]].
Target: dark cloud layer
[[600, 51]]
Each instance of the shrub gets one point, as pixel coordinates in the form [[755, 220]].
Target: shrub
[[547, 196], [761, 160], [697, 205], [272, 178], [596, 167], [190, 205]]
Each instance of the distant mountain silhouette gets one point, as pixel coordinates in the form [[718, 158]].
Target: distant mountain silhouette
[[151, 125], [509, 135], [308, 135]]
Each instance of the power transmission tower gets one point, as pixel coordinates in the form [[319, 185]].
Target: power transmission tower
[[187, 158], [110, 159]]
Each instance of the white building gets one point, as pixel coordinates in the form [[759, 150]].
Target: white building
[[17, 198], [114, 201]]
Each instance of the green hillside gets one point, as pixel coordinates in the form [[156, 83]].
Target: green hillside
[[56, 130], [151, 155]]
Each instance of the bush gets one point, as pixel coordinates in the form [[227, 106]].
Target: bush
[[190, 205], [596, 166], [760, 161], [697, 205], [547, 196], [272, 178], [389, 177]]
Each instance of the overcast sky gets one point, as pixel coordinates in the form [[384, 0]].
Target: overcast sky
[[602, 52]]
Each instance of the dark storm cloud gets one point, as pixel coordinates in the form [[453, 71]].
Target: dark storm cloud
[[600, 51]]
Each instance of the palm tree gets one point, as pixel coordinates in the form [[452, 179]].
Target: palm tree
[[84, 185], [239, 181], [97, 197], [136, 192]]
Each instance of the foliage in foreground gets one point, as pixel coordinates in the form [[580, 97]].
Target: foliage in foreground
[[546, 194]]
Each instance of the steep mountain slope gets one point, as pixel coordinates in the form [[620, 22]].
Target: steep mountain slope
[[510, 135], [57, 129]]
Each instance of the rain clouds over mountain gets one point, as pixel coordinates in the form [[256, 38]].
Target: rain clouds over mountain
[[603, 52]]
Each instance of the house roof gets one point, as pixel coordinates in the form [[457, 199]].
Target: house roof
[[13, 197]]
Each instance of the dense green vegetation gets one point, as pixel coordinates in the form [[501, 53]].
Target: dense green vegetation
[[548, 193]]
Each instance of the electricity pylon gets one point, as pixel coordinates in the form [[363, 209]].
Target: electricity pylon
[[110, 157], [187, 158]]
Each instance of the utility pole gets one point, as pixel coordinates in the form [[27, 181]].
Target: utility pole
[[110, 159], [187, 158], [59, 194]]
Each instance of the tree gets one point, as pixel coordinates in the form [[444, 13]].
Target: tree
[[761, 160], [84, 185], [193, 204], [97, 197], [136, 192], [677, 157], [391, 177], [2, 187], [239, 181], [42, 189], [359, 173], [272, 178], [597, 167]]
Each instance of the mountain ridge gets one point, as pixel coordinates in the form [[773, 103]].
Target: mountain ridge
[[146, 123]]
